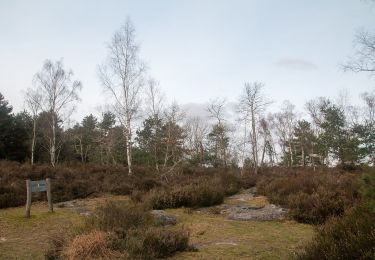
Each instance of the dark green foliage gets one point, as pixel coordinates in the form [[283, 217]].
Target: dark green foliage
[[303, 138], [337, 138], [14, 133], [349, 237], [219, 143]]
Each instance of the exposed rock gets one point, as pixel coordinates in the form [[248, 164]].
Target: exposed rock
[[164, 218], [69, 204], [245, 195], [268, 212], [76, 205]]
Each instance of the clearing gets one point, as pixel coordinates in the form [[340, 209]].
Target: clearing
[[212, 231]]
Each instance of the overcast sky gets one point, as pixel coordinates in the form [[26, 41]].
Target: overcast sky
[[196, 49]]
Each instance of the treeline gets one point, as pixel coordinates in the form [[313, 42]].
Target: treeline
[[168, 139], [140, 128]]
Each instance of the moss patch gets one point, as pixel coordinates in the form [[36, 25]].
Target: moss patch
[[22, 238]]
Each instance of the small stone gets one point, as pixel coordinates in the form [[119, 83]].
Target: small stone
[[164, 218]]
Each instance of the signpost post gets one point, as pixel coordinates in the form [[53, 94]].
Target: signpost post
[[38, 186]]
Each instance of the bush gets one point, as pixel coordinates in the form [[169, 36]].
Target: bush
[[117, 230], [349, 237], [155, 242], [119, 217], [11, 198], [192, 195], [311, 197], [93, 245], [135, 233]]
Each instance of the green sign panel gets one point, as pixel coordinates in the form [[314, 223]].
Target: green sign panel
[[38, 186]]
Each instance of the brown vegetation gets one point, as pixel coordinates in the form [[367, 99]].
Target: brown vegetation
[[311, 196]]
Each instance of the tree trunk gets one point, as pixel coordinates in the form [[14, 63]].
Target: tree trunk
[[291, 154], [303, 156], [263, 152], [128, 147], [254, 141], [53, 144], [33, 142]]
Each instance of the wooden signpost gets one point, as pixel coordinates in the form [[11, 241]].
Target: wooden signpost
[[38, 186]]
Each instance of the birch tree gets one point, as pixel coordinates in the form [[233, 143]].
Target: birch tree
[[122, 75], [58, 94], [251, 105], [33, 101]]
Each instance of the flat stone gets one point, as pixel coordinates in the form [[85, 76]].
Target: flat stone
[[266, 213]]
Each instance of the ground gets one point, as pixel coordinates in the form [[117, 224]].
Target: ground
[[212, 233]]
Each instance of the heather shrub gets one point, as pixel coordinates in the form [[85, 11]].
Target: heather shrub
[[135, 233], [119, 217], [153, 242], [230, 183], [311, 197], [349, 237], [9, 197], [192, 195], [118, 230]]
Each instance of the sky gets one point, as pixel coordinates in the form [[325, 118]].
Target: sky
[[196, 49]]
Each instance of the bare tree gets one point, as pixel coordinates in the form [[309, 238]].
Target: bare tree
[[284, 123], [364, 57], [216, 108], [173, 134], [154, 99], [33, 101], [196, 131], [122, 75], [154, 108], [369, 99], [251, 105], [58, 93]]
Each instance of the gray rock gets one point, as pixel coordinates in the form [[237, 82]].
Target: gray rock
[[266, 213], [164, 218]]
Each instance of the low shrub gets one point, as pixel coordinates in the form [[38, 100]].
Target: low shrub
[[192, 195], [119, 217], [154, 242], [349, 237], [311, 197], [11, 198], [135, 233], [117, 230], [93, 245], [230, 184]]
